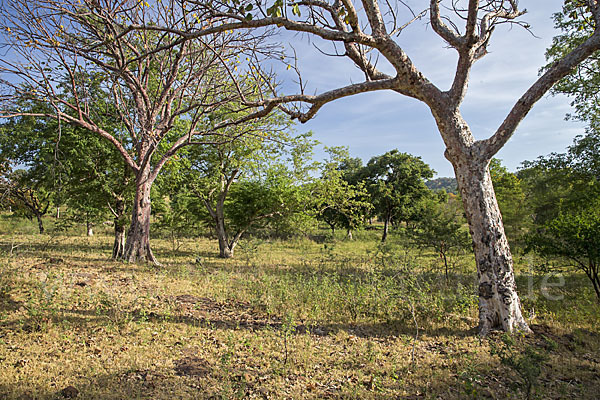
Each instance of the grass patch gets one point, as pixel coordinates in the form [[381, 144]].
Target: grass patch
[[284, 319]]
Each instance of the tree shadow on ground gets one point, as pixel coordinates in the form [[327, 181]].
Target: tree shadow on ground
[[231, 315]]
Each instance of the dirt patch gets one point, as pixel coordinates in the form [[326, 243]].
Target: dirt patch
[[192, 366]]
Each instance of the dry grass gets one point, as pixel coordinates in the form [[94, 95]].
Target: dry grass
[[290, 320]]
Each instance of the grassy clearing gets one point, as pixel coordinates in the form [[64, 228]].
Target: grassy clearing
[[285, 319]]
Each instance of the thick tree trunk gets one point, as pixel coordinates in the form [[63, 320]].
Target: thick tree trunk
[[119, 242], [499, 305], [137, 246], [225, 249]]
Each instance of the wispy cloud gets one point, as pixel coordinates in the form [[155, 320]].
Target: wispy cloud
[[371, 124]]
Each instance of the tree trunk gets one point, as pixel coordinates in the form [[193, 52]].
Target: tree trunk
[[443, 254], [38, 216], [349, 235], [57, 212], [332, 227], [88, 226], [499, 305], [592, 273], [386, 227], [225, 248], [119, 242], [137, 246]]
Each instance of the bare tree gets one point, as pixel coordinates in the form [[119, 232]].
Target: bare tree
[[168, 91], [365, 32]]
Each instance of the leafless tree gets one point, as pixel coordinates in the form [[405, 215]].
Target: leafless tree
[[165, 91], [367, 31]]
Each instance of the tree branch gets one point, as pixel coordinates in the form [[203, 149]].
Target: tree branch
[[489, 147]]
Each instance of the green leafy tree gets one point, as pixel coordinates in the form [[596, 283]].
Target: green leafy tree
[[72, 165], [511, 200], [25, 195], [443, 183], [574, 236], [241, 182], [563, 182], [442, 228], [396, 183], [267, 200], [35, 184], [577, 23], [570, 229], [340, 203]]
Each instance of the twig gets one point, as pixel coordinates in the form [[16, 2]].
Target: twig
[[412, 311]]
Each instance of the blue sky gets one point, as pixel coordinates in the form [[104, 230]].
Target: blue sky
[[371, 124]]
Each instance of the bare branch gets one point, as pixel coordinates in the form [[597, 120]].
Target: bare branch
[[438, 25]]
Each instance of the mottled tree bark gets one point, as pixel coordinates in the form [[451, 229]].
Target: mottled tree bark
[[499, 305]]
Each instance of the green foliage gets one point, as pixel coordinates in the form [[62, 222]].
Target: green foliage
[[576, 22], [25, 195], [569, 227], [548, 187], [527, 362], [511, 200], [254, 201], [576, 237], [442, 228], [338, 202], [448, 185], [68, 164], [245, 183], [179, 216], [396, 183]]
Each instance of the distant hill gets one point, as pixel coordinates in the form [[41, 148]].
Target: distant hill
[[448, 184]]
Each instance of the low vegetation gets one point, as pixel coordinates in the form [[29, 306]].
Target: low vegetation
[[284, 319]]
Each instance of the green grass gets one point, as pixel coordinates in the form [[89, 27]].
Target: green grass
[[284, 319]]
